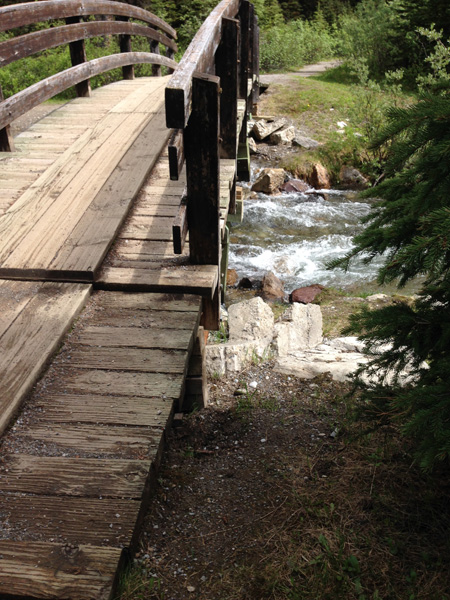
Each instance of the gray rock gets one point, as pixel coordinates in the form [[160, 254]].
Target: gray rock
[[353, 178], [304, 142], [269, 181], [301, 328], [283, 136], [252, 146], [263, 129], [315, 362]]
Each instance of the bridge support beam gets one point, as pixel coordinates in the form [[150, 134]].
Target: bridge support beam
[[77, 57], [227, 69]]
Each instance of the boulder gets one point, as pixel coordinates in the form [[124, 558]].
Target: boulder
[[295, 185], [272, 287], [283, 136], [304, 142], [232, 277], [250, 320], [316, 362], [269, 181], [306, 294], [319, 177], [252, 146], [245, 284], [263, 129], [352, 178], [301, 328]]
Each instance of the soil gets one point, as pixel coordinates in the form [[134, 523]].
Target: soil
[[271, 493]]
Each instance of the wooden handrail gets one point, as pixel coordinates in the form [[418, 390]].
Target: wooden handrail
[[27, 45], [17, 105], [198, 58], [19, 15]]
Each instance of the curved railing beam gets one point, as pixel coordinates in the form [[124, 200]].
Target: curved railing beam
[[19, 15], [199, 57], [23, 101], [27, 45]]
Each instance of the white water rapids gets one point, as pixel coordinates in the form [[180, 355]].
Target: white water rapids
[[294, 235]]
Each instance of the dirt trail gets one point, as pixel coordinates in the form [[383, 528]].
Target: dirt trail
[[306, 71]]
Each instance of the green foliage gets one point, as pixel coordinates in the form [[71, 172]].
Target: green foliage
[[409, 344], [296, 43]]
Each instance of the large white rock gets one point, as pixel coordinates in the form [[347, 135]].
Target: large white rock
[[250, 320], [314, 362], [262, 129], [233, 357], [283, 136], [301, 328]]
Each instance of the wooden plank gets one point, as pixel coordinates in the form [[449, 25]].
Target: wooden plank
[[160, 319], [191, 279], [201, 143], [176, 302], [33, 335], [100, 440], [134, 337], [142, 249], [68, 520], [147, 228], [55, 571], [62, 476], [120, 383], [144, 360], [86, 247], [91, 408]]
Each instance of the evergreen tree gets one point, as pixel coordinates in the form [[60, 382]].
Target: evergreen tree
[[410, 228]]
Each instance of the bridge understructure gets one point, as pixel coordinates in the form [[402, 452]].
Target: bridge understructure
[[113, 238]]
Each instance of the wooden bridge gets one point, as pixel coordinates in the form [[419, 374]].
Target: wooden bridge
[[113, 228]]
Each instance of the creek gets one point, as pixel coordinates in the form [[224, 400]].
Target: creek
[[294, 235]]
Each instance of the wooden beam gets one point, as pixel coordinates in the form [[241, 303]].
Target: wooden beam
[[20, 103], [199, 57], [244, 15], [6, 139], [180, 227], [154, 48], [23, 46], [78, 57], [176, 154], [27, 13], [125, 46], [201, 143], [227, 70]]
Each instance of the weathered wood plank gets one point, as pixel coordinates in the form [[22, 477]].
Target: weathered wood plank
[[84, 440], [171, 301], [62, 476], [180, 227], [191, 279], [176, 154], [147, 228], [227, 70], [68, 520], [57, 572], [90, 408], [144, 360], [134, 337], [154, 320], [29, 336], [120, 383]]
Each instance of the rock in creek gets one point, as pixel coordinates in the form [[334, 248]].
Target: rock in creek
[[296, 185], [272, 287], [269, 181], [352, 178]]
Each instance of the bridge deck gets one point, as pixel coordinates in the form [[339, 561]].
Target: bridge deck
[[76, 466]]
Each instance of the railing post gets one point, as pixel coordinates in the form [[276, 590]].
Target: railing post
[[6, 139], [255, 88], [125, 46], [201, 145], [227, 70], [154, 48], [78, 56], [244, 15], [170, 54]]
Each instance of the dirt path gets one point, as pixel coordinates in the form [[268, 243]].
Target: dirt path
[[306, 71]]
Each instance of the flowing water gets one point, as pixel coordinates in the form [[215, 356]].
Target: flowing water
[[294, 235]]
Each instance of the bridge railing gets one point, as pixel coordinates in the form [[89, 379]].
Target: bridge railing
[[77, 28], [216, 76]]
